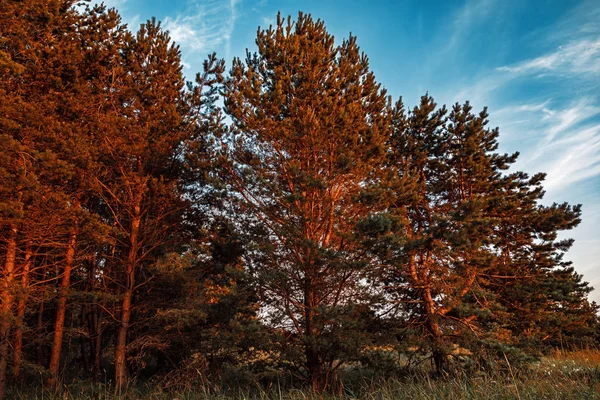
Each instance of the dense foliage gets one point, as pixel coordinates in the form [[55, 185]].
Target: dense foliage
[[280, 221]]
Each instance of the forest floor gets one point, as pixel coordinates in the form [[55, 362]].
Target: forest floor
[[564, 375]]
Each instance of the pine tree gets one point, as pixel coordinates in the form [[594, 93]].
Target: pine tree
[[309, 123], [461, 225], [139, 185]]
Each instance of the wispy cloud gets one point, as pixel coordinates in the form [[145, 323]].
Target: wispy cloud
[[563, 120], [473, 12], [562, 135], [204, 26], [448, 50], [575, 58], [548, 107], [562, 140], [581, 20], [573, 159], [259, 5]]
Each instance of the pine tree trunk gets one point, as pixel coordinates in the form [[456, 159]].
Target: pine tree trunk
[[313, 361], [21, 313], [82, 339], [439, 355], [39, 351], [97, 348], [96, 340], [60, 312], [121, 347], [7, 298], [315, 371], [93, 322]]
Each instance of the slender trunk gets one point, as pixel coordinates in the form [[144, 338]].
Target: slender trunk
[[39, 327], [21, 312], [121, 374], [82, 340], [97, 318], [60, 312], [121, 346], [433, 328], [314, 365], [93, 321], [438, 353], [7, 298]]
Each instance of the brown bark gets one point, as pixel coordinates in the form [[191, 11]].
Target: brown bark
[[121, 374], [21, 312], [121, 346], [60, 311], [82, 340], [39, 327], [93, 320], [97, 341], [433, 328], [315, 369], [439, 356], [314, 365], [7, 298]]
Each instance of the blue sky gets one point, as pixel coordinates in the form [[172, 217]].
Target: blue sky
[[534, 63]]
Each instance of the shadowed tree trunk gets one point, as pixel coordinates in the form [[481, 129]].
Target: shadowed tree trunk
[[97, 341], [7, 298], [121, 347], [95, 322], [39, 351], [313, 361], [82, 339], [60, 312], [21, 312], [438, 353]]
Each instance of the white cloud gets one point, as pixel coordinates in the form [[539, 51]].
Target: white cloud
[[581, 20], [133, 23], [563, 120], [573, 159], [578, 57], [474, 11], [259, 5], [563, 140], [203, 26]]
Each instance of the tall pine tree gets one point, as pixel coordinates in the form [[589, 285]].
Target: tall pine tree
[[463, 224], [309, 126]]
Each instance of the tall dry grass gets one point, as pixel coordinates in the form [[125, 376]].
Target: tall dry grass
[[562, 375]]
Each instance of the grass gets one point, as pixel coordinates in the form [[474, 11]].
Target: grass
[[563, 375]]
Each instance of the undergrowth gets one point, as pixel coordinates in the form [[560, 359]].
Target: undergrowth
[[563, 375]]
